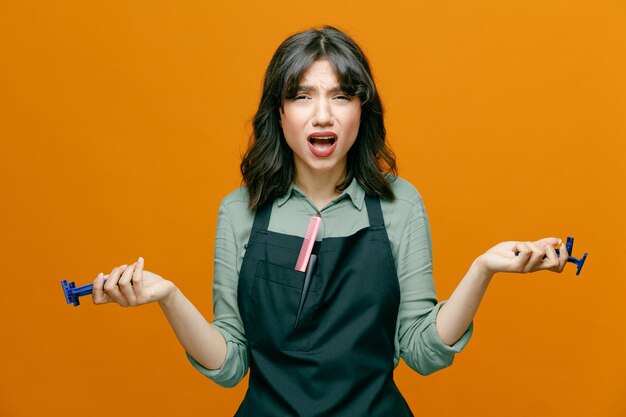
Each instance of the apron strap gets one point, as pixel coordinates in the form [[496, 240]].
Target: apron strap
[[262, 216], [374, 212]]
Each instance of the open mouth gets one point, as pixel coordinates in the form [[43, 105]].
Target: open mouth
[[322, 141], [322, 144]]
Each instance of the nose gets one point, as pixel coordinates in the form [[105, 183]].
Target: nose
[[323, 114]]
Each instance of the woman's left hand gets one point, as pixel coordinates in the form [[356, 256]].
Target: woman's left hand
[[533, 256]]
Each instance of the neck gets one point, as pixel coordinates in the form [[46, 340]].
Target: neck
[[320, 187]]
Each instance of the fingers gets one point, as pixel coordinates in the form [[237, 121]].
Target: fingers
[[538, 255], [524, 253], [553, 241], [538, 252], [563, 257], [126, 285], [531, 256], [98, 295], [552, 260], [111, 288], [554, 263], [138, 283]]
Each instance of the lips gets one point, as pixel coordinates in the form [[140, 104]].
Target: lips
[[322, 144]]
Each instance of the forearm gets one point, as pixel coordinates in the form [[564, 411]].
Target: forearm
[[201, 340], [458, 312]]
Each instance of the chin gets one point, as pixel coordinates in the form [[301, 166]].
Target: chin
[[325, 167]]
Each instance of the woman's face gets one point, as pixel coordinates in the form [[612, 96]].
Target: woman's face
[[320, 123]]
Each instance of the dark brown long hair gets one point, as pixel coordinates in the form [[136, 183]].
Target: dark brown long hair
[[268, 166]]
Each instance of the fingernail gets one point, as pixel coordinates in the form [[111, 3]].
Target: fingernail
[[140, 261], [100, 275]]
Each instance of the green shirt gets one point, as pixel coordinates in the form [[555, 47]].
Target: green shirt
[[416, 341]]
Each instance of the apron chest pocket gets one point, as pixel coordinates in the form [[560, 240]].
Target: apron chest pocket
[[273, 305]]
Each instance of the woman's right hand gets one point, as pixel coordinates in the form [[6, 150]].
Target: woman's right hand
[[131, 286]]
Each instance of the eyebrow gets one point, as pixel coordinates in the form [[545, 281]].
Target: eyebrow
[[305, 88]]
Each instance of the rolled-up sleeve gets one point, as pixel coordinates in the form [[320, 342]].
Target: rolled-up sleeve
[[420, 345], [233, 369], [226, 312]]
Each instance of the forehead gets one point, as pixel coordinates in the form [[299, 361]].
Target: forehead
[[321, 72]]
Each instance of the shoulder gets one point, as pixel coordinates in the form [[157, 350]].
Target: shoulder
[[235, 204], [407, 204], [405, 219], [235, 216], [236, 198], [405, 193]]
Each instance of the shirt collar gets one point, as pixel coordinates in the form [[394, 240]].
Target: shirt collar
[[282, 200], [354, 191]]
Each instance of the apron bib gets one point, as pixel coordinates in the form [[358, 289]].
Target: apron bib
[[339, 360]]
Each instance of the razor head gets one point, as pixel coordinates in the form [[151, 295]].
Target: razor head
[[569, 245], [580, 263], [70, 296]]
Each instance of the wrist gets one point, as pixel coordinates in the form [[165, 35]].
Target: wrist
[[170, 297], [480, 268]]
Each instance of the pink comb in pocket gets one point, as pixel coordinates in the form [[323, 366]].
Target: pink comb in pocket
[[307, 245]]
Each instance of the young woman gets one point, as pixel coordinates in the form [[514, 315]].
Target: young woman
[[318, 149]]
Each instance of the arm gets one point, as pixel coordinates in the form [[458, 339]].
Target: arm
[[419, 343], [217, 350], [431, 333], [132, 286], [457, 313], [199, 338]]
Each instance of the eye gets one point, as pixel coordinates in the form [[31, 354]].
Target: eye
[[343, 97], [300, 97]]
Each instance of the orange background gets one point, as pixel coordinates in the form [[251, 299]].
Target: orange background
[[122, 125]]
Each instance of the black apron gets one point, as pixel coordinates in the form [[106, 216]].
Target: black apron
[[339, 360]]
